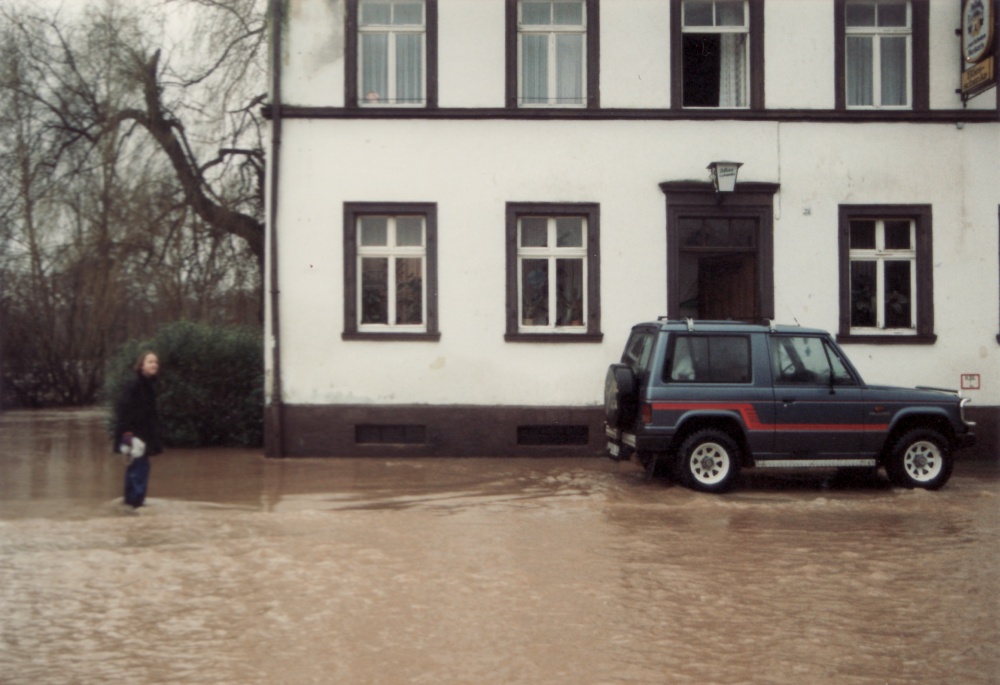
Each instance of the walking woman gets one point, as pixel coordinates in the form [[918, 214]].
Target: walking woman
[[137, 431]]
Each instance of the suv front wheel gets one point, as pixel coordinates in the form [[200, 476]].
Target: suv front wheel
[[920, 459], [709, 461]]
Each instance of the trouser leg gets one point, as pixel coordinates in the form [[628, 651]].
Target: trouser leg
[[136, 479]]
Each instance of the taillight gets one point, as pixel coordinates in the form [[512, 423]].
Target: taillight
[[647, 413]]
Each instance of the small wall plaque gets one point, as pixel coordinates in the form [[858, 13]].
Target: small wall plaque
[[970, 381]]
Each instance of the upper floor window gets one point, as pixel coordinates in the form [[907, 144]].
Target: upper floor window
[[882, 54], [390, 269], [878, 53], [717, 55], [552, 53], [552, 271], [391, 53], [391, 49], [886, 286]]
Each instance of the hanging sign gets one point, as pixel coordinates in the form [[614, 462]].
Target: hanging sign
[[977, 30], [978, 55]]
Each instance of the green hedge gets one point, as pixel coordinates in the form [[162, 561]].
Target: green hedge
[[210, 389]]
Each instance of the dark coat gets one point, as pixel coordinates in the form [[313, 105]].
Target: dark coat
[[137, 414]]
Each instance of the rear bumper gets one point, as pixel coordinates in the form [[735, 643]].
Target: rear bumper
[[621, 445]]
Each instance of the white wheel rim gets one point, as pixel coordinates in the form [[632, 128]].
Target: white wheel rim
[[923, 461], [709, 463]]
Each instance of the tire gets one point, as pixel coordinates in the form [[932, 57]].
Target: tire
[[920, 459], [621, 398], [709, 461]]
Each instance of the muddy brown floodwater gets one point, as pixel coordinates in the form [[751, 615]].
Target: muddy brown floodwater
[[244, 570]]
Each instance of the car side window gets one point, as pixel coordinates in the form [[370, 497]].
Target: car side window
[[807, 360], [709, 359], [637, 352], [841, 376]]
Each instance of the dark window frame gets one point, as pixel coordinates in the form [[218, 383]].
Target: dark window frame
[[755, 68], [351, 58], [592, 55], [919, 69], [922, 217], [354, 210], [592, 212], [699, 199]]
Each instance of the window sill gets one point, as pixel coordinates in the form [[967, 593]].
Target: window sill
[[391, 337], [554, 337], [886, 339], [551, 105], [393, 105], [879, 108]]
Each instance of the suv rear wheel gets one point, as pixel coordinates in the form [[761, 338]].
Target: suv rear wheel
[[920, 459], [709, 461], [621, 397]]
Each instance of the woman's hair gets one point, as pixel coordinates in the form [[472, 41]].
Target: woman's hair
[[142, 358]]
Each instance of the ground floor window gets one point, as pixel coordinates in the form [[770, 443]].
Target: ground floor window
[[390, 267], [553, 271], [885, 273]]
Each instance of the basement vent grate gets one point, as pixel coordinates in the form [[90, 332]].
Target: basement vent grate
[[389, 434], [553, 435]]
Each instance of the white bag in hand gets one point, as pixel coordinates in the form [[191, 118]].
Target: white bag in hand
[[132, 448]]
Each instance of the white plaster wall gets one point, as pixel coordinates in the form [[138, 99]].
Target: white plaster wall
[[313, 53], [798, 54], [635, 54], [472, 168], [471, 53], [945, 49], [951, 169]]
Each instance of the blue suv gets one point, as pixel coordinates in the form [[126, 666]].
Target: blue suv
[[706, 399]]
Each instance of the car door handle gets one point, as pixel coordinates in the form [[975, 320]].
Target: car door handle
[[788, 400]]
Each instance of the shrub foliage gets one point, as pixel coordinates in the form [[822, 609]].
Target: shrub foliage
[[210, 390]]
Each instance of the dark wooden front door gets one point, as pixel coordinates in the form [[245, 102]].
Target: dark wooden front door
[[727, 287]]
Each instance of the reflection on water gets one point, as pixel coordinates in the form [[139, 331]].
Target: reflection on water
[[244, 570]]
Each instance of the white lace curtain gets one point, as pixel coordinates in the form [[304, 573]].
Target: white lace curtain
[[535, 69], [861, 71], [409, 58], [732, 70]]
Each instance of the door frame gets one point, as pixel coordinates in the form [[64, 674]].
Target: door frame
[[749, 199]]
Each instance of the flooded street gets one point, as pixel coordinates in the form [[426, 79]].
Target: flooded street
[[249, 571]]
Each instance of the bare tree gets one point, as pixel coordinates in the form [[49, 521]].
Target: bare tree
[[134, 189], [203, 88]]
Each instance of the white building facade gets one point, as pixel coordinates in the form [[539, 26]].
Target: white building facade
[[472, 201]]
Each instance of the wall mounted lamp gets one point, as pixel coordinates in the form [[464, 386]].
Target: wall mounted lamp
[[724, 175]]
